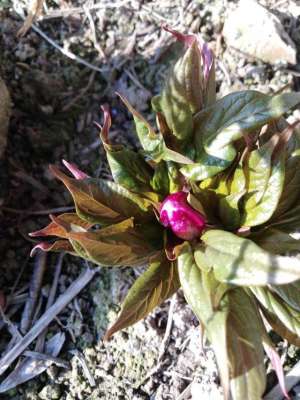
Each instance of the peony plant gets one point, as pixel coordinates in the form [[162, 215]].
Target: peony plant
[[210, 203]]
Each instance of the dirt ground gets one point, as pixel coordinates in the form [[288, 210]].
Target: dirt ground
[[56, 99]]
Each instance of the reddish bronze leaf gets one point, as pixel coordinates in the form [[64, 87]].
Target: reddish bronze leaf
[[59, 245], [116, 245], [105, 202], [61, 224], [152, 288]]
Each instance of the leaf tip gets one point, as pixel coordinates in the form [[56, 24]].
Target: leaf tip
[[187, 40], [37, 233], [108, 334], [75, 171], [44, 246], [106, 124]]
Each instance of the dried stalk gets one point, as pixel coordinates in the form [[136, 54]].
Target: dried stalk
[[85, 368], [44, 212], [41, 339], [46, 318], [34, 291], [46, 357]]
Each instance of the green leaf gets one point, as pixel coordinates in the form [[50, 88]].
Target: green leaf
[[280, 328], [276, 241], [265, 208], [208, 200], [232, 323], [129, 169], [200, 290], [289, 140], [171, 155], [240, 261], [229, 206], [279, 309], [238, 182], [195, 203], [235, 115], [152, 288], [288, 222], [258, 166], [116, 245], [104, 202], [175, 178], [160, 179], [166, 178], [229, 210], [201, 259], [152, 142], [291, 190], [182, 95], [245, 349], [206, 166], [289, 293]]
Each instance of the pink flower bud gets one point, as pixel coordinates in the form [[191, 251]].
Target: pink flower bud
[[176, 214]]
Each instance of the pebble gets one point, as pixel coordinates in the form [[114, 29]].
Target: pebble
[[50, 392], [254, 30]]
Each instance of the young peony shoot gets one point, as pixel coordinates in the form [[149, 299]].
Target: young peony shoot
[[211, 203]]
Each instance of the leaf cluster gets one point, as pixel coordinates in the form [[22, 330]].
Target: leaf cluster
[[240, 162]]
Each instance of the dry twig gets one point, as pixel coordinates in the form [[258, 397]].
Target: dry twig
[[81, 94], [32, 367], [63, 13], [186, 393], [163, 345], [46, 318], [65, 52], [165, 341], [34, 12], [34, 291], [85, 368], [32, 181], [44, 212], [41, 339], [12, 311], [48, 358], [12, 328], [137, 82], [94, 34]]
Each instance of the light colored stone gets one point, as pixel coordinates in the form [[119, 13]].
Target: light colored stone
[[294, 9], [206, 392], [5, 110], [50, 392], [254, 30]]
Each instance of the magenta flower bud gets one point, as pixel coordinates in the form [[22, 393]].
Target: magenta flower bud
[[176, 214]]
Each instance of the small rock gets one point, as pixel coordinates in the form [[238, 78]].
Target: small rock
[[205, 392], [254, 30], [294, 9], [50, 392]]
